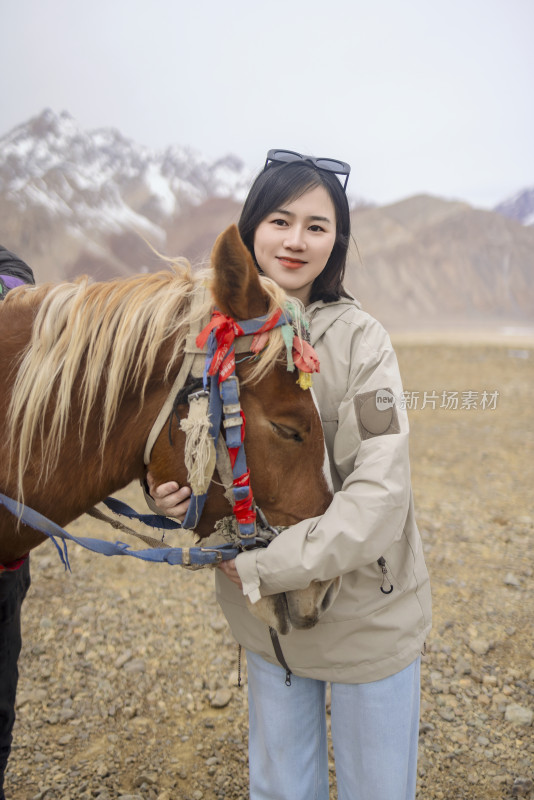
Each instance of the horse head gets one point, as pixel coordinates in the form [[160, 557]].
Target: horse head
[[284, 443]]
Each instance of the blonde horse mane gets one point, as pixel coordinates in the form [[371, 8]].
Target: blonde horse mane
[[103, 333]]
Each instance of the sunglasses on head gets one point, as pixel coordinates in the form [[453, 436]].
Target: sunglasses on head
[[325, 164]]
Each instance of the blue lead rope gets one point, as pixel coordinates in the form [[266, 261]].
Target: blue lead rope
[[152, 520], [182, 556]]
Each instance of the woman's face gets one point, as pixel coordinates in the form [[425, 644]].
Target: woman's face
[[294, 242]]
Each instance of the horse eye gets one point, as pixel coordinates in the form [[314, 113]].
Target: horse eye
[[286, 433]]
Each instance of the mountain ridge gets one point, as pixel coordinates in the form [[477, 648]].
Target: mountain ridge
[[432, 259], [75, 201]]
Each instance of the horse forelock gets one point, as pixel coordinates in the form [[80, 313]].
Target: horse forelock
[[275, 350], [104, 332]]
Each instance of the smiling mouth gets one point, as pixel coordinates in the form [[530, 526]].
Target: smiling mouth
[[291, 263]]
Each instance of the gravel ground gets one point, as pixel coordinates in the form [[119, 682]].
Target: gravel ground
[[128, 671]]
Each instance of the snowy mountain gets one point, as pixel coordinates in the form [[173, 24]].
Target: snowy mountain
[[88, 188], [519, 207], [94, 202]]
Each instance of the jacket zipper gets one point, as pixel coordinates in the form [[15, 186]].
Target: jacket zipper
[[385, 577]]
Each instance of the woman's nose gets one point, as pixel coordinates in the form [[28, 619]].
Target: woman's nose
[[295, 239]]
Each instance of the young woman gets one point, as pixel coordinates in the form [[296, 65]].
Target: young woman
[[296, 224]]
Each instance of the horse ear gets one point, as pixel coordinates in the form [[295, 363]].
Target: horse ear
[[236, 286]]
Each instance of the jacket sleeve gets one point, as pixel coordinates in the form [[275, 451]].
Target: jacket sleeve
[[13, 271], [369, 512]]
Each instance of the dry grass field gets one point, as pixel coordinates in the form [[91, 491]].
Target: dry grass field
[[128, 672]]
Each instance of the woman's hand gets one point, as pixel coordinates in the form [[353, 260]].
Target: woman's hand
[[172, 499], [229, 569], [173, 502]]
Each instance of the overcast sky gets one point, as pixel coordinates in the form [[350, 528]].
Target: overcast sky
[[417, 95]]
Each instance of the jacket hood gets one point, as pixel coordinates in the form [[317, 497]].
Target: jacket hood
[[324, 314]]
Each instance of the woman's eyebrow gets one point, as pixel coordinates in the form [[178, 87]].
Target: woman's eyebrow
[[312, 217]]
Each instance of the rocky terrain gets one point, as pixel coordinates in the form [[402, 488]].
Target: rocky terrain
[[128, 671]]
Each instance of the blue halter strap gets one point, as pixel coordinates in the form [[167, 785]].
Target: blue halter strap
[[224, 408]]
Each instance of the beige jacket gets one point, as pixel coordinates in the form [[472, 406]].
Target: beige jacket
[[366, 635]]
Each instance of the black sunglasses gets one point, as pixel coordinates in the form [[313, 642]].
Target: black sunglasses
[[326, 164]]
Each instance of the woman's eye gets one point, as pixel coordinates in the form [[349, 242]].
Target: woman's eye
[[280, 222], [315, 228]]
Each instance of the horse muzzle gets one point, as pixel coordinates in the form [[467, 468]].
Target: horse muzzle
[[306, 607]]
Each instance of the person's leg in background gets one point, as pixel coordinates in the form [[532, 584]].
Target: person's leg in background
[[13, 588]]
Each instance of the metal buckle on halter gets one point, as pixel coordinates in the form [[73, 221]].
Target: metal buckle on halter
[[267, 531], [248, 541], [217, 553], [252, 545], [197, 395]]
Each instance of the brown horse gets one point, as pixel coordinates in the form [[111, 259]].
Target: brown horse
[[86, 367]]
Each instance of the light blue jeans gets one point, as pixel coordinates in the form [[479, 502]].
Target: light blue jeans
[[375, 729]]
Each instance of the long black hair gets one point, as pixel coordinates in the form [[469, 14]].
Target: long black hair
[[281, 183]]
